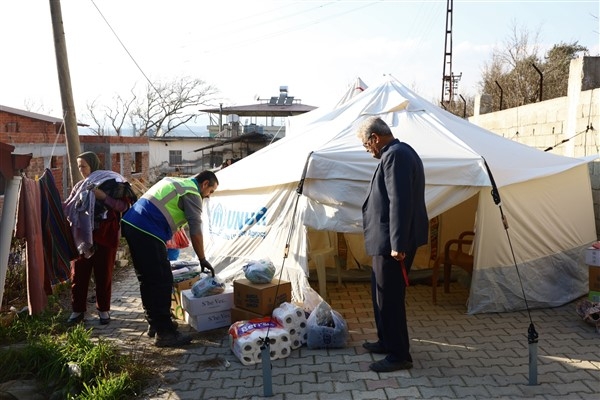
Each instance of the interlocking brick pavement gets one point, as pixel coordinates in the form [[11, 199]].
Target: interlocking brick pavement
[[456, 356]]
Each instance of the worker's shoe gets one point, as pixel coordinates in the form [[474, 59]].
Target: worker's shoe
[[152, 331], [172, 339]]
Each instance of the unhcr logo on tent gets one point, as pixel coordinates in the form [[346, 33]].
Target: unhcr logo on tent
[[229, 224]]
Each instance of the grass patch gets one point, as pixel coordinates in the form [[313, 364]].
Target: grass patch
[[76, 367], [64, 361]]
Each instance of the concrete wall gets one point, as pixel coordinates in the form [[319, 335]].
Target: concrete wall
[[568, 126]]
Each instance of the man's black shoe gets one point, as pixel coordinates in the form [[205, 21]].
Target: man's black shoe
[[390, 366], [375, 347], [172, 339]]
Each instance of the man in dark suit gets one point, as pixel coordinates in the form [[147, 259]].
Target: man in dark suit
[[395, 224]]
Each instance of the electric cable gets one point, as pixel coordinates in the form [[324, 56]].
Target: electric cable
[[133, 59]]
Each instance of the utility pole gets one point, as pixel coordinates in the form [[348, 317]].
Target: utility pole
[[66, 93], [449, 80]]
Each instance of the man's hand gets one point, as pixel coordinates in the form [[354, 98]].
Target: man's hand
[[398, 255], [204, 264]]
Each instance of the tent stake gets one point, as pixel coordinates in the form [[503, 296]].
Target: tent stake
[[266, 368], [532, 338]]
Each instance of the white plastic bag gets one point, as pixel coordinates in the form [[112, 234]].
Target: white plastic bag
[[261, 271], [208, 286], [326, 328]]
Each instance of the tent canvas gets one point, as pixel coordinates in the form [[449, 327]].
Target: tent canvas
[[546, 198]]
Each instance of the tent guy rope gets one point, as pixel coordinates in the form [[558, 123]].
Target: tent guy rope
[[532, 335]]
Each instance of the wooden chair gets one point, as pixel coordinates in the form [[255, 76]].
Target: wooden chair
[[456, 252]]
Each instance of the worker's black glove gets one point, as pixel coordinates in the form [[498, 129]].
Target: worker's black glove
[[205, 265]]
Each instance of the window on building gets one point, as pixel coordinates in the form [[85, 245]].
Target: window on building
[[12, 127], [54, 162], [136, 163], [175, 157]]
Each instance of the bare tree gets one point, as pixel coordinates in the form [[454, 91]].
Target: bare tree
[[120, 113], [512, 77], [461, 106], [556, 68], [99, 127], [115, 114], [168, 105]]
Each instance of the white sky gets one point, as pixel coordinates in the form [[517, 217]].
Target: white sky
[[251, 48]]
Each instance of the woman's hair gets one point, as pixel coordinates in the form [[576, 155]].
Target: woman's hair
[[92, 159]]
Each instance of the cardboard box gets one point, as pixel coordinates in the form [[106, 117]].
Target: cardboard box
[[592, 256], [239, 314], [594, 278], [261, 298], [206, 322], [186, 284], [594, 297], [208, 304]]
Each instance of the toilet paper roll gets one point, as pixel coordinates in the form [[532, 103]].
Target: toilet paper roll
[[249, 359], [296, 343], [290, 316], [247, 347], [301, 334]]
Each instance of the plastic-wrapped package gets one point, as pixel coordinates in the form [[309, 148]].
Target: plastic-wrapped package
[[326, 328], [247, 337], [261, 271], [208, 286], [590, 312], [293, 319]]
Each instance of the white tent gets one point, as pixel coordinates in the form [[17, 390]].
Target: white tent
[[546, 199]]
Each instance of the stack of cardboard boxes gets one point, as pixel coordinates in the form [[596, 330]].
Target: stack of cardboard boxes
[[208, 312], [256, 300], [592, 259], [241, 302]]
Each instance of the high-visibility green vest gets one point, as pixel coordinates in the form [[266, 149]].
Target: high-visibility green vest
[[165, 196]]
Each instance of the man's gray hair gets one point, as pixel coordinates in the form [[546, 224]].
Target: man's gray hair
[[372, 125]]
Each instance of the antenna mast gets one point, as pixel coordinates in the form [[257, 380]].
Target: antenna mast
[[449, 80]]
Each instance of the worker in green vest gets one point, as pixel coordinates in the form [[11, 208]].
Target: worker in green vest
[[147, 226]]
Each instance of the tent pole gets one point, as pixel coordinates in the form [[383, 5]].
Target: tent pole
[[532, 335]]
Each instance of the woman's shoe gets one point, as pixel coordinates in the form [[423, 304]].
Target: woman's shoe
[[75, 318], [104, 317]]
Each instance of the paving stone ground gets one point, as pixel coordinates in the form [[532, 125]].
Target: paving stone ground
[[456, 356]]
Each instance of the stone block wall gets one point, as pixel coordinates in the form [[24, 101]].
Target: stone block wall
[[568, 126]]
